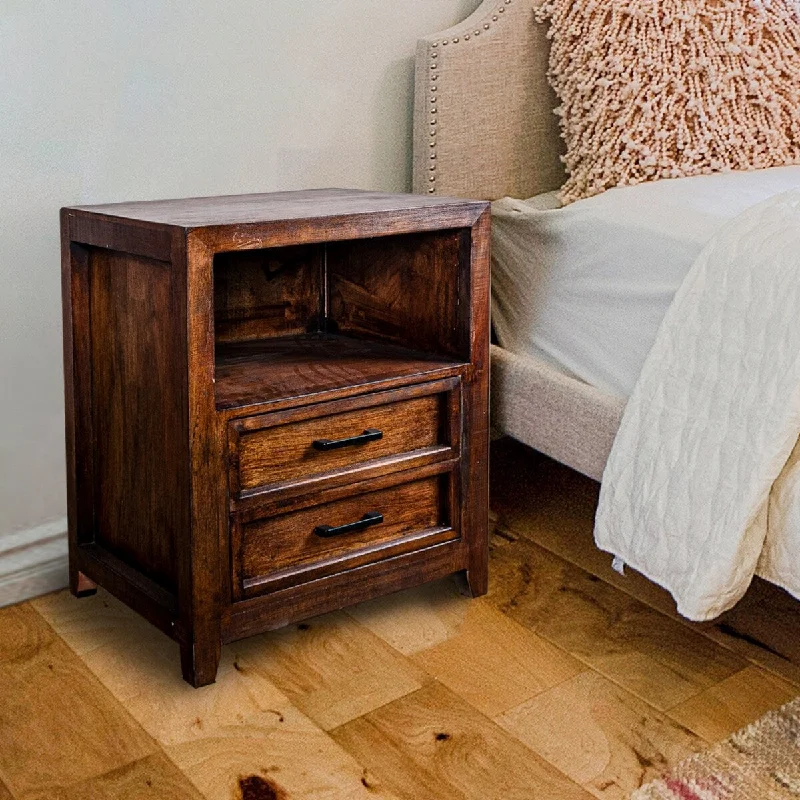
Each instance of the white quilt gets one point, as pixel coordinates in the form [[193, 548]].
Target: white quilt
[[702, 487]]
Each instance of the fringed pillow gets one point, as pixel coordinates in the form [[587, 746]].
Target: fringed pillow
[[668, 88]]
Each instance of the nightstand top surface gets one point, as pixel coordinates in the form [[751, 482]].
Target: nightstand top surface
[[201, 212]]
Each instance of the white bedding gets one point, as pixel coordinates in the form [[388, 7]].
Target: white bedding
[[703, 484], [702, 487], [585, 287]]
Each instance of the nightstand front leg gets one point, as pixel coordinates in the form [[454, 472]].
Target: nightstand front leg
[[478, 581], [472, 582], [199, 663]]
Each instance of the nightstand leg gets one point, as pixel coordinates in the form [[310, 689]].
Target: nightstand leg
[[478, 581], [81, 586], [477, 571], [472, 583], [199, 663]]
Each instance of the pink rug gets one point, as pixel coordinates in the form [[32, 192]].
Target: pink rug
[[761, 762]]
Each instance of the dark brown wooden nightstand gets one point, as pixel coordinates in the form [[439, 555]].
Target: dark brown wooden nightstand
[[277, 405]]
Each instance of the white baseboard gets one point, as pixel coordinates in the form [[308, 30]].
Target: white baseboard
[[33, 562]]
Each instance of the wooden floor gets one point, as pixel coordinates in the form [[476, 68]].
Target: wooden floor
[[567, 681]]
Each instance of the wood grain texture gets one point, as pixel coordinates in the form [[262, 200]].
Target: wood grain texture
[[287, 452], [333, 592], [372, 279], [290, 541], [733, 703], [205, 543], [763, 626], [417, 619], [136, 237], [264, 293], [139, 433], [311, 205], [252, 373], [556, 510], [331, 668], [430, 744], [446, 446], [240, 727], [24, 633], [77, 395], [58, 724], [474, 488], [599, 735], [507, 663], [152, 778], [651, 655], [247, 731], [297, 764], [156, 604], [139, 667]]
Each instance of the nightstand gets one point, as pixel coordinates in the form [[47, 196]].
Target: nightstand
[[276, 405]]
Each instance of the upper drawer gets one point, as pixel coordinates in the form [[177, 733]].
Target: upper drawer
[[345, 436]]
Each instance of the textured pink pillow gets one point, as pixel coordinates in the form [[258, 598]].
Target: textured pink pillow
[[667, 88]]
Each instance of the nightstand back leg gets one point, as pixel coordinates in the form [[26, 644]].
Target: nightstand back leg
[[81, 586]]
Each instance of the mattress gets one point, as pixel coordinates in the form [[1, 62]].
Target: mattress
[[585, 287]]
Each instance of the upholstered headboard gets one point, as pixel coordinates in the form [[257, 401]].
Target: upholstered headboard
[[483, 117]]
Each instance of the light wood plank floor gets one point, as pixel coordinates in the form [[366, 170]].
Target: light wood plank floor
[[567, 681]]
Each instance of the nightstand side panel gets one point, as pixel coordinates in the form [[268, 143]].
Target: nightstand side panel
[[126, 411]]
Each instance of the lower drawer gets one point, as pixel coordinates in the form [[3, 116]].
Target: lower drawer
[[303, 545]]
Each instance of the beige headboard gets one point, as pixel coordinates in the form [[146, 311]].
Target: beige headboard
[[483, 116]]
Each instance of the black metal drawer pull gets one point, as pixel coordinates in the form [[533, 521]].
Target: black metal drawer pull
[[369, 435], [369, 519]]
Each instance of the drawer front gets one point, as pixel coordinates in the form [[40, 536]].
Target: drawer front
[[280, 449], [341, 534]]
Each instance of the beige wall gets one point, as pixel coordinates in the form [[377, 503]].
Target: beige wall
[[108, 100]]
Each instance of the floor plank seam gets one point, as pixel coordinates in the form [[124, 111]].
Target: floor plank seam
[[676, 617]]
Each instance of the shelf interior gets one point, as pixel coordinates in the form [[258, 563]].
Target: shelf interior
[[309, 318], [265, 370]]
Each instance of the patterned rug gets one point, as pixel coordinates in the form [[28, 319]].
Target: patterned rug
[[761, 762]]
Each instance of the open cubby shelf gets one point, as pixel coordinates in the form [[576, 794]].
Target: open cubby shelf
[[310, 318]]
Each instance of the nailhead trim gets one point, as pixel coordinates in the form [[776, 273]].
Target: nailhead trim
[[432, 86]]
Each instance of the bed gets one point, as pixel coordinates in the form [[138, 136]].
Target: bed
[[484, 83], [484, 127]]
